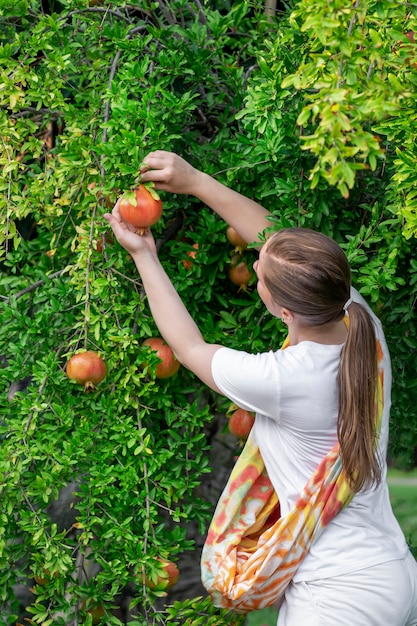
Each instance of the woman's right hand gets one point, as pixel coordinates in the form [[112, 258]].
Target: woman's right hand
[[170, 172]]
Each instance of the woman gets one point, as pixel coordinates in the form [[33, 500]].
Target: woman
[[318, 391]]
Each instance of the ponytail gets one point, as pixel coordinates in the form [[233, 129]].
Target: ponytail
[[358, 386]]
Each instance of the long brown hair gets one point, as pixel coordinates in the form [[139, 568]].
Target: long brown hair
[[309, 274]]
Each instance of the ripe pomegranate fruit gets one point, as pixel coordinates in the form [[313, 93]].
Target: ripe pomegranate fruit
[[235, 239], [86, 368], [141, 207], [166, 578], [191, 253], [46, 576], [241, 422], [239, 272], [169, 365]]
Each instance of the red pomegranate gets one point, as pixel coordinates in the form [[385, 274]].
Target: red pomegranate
[[241, 422], [86, 368], [169, 365], [141, 207], [166, 579]]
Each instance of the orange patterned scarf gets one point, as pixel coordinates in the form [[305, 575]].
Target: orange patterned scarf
[[251, 553]]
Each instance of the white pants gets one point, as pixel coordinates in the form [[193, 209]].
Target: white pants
[[383, 595]]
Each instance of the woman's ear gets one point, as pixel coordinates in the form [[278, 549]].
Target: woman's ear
[[287, 316]]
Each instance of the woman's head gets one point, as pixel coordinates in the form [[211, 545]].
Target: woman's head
[[306, 273]]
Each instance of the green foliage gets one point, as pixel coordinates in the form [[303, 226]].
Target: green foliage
[[313, 115], [198, 612]]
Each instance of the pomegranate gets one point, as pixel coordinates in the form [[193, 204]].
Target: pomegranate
[[46, 577], [141, 207], [239, 272], [169, 365], [235, 239], [241, 422], [165, 578], [96, 612], [86, 368], [191, 253]]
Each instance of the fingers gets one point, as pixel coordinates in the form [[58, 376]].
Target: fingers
[[116, 225], [159, 166], [116, 211], [168, 171], [157, 176], [161, 177], [114, 218], [158, 159], [153, 161]]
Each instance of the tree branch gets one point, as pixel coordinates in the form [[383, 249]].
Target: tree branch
[[32, 287]]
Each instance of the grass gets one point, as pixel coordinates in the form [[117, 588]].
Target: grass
[[404, 503], [266, 617]]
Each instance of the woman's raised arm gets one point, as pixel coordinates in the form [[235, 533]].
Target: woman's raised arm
[[171, 172]]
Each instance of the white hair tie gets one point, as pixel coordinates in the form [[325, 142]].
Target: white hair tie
[[347, 305]]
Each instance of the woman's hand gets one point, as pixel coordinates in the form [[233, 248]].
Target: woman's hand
[[170, 172], [127, 236]]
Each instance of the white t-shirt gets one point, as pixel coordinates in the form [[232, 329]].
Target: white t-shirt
[[295, 397]]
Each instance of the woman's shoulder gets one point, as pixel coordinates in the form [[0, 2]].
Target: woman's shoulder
[[290, 356]]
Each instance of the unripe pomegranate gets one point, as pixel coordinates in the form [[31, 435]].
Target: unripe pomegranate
[[241, 423], [86, 368], [169, 365], [141, 207]]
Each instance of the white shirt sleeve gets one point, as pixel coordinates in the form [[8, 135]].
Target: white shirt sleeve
[[249, 380]]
